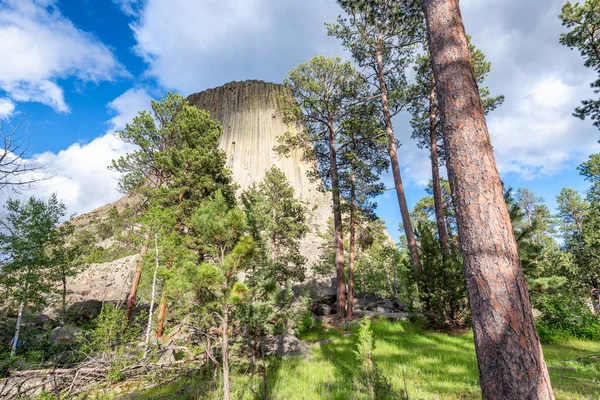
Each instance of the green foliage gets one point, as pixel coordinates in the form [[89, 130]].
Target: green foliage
[[277, 223], [307, 323], [327, 91], [565, 315], [442, 286], [382, 37], [420, 92], [369, 381], [27, 231], [583, 20], [176, 144], [110, 331], [571, 211]]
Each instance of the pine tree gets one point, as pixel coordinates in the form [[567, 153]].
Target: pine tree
[[227, 252], [327, 92], [382, 36], [277, 220], [511, 362], [177, 164], [363, 160], [584, 21], [427, 128]]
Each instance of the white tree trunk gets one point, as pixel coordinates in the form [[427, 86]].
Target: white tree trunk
[[13, 350], [152, 301]]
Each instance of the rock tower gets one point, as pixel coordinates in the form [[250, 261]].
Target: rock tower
[[251, 114]]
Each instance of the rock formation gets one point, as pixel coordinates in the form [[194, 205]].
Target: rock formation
[[251, 114]]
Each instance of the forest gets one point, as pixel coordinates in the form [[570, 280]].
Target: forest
[[232, 291]]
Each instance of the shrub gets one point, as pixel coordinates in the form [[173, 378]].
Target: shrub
[[369, 381], [565, 315]]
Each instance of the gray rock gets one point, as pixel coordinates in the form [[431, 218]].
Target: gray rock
[[84, 310], [65, 335], [285, 345], [43, 321], [386, 303], [390, 315], [322, 310]]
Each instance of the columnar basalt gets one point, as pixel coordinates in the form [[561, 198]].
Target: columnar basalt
[[251, 114]]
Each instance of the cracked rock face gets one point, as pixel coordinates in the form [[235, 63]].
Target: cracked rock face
[[251, 114]]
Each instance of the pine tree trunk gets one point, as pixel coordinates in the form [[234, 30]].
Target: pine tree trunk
[[162, 311], [337, 227], [352, 250], [435, 180], [136, 279], [389, 131], [511, 363], [64, 299], [152, 300], [13, 350], [225, 347]]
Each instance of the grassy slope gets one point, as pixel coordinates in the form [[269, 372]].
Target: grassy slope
[[435, 366]]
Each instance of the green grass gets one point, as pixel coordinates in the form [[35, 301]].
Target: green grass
[[435, 366]]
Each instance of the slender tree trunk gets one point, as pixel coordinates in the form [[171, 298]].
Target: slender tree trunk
[[152, 300], [162, 311], [13, 350], [389, 131], [136, 279], [64, 299], [511, 363], [337, 227], [225, 347], [435, 180], [352, 249]]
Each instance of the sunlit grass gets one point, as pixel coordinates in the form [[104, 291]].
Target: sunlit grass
[[434, 366]]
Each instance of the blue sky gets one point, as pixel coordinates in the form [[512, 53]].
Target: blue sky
[[81, 69]]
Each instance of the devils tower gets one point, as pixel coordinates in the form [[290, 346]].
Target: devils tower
[[251, 114]]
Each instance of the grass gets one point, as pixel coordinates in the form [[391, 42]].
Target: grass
[[435, 366]]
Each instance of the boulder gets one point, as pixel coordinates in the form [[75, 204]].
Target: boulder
[[322, 310], [65, 335], [84, 311], [390, 315], [43, 322], [285, 345]]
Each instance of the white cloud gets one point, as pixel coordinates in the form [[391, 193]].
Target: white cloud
[[127, 106], [42, 46], [178, 38], [79, 174], [129, 7], [537, 133], [190, 45], [6, 108]]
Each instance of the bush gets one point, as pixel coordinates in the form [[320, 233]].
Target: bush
[[306, 324], [563, 316], [369, 381]]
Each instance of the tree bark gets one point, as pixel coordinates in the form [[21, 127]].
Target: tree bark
[[337, 227], [225, 347], [136, 279], [152, 300], [64, 299], [162, 310], [389, 131], [435, 178], [352, 249], [511, 363], [15, 343]]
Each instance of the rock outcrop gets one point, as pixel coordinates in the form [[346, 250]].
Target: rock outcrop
[[251, 114]]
